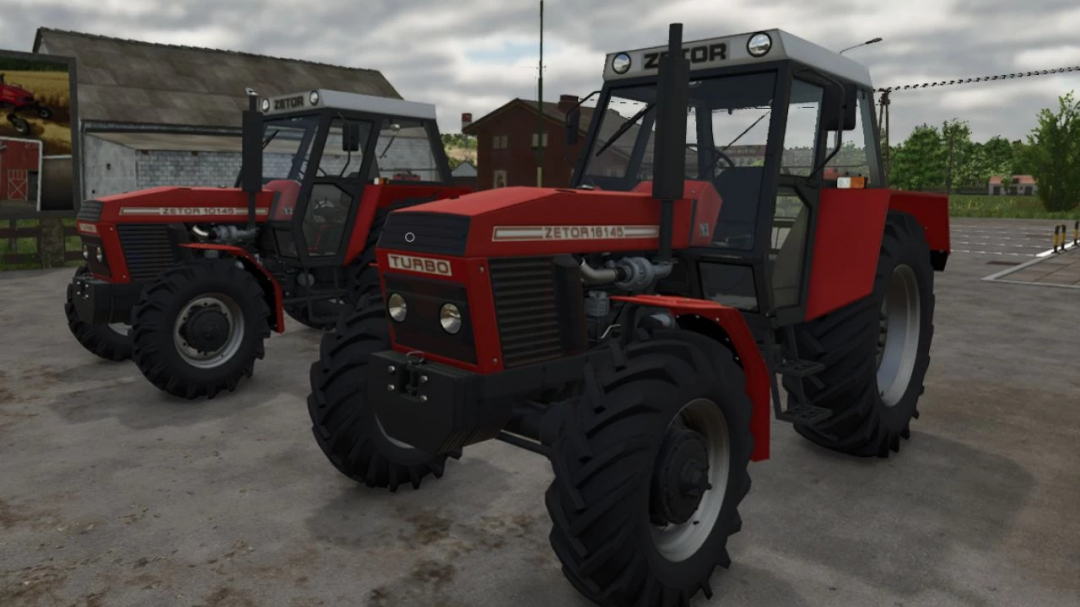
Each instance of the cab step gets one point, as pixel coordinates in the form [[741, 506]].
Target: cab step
[[805, 415], [799, 368]]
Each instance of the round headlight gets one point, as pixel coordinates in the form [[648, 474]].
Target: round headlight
[[759, 44], [86, 252], [314, 97], [450, 318], [100, 255], [620, 63], [266, 105], [396, 306]]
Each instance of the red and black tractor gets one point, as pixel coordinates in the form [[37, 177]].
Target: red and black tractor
[[14, 99], [729, 224], [189, 282]]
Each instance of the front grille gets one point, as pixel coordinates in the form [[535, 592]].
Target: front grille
[[526, 310], [147, 250], [430, 233], [90, 211]]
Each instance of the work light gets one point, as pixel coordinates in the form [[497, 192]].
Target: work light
[[397, 307], [621, 63], [266, 105], [314, 97], [759, 44], [450, 318]]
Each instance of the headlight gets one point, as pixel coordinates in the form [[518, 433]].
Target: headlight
[[620, 63], [396, 306], [450, 318], [314, 97], [759, 44], [100, 255], [86, 252], [266, 105]]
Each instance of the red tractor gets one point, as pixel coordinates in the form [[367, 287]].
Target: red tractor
[[14, 99], [632, 329], [189, 282]]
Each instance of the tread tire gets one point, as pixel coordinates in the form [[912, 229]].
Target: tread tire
[[98, 339]]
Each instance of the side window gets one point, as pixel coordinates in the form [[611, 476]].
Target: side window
[[500, 179], [800, 137], [336, 162], [853, 159], [325, 219], [403, 152]]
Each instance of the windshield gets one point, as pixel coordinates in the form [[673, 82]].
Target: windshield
[[727, 124], [287, 146]]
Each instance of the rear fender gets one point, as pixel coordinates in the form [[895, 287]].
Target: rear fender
[[270, 285], [932, 213], [727, 326]]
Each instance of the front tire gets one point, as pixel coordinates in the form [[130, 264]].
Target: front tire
[[44, 113], [200, 327], [876, 351], [344, 424], [21, 126], [633, 520], [109, 341]]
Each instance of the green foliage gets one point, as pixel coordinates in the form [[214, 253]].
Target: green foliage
[[459, 140], [1014, 207], [1053, 155], [919, 163]]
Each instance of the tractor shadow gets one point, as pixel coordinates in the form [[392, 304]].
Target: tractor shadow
[[899, 524]]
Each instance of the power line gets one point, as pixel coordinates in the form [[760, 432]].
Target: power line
[[973, 80]]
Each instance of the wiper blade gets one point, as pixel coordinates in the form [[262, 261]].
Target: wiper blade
[[625, 127], [269, 138], [735, 140]]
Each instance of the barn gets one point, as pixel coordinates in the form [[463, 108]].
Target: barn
[[20, 166]]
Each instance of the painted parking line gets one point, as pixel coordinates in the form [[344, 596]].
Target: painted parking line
[[994, 253]]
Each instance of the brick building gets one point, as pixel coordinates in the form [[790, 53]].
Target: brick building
[[157, 114], [1022, 185]]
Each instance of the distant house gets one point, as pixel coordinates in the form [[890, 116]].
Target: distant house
[[464, 174], [1021, 185], [160, 114]]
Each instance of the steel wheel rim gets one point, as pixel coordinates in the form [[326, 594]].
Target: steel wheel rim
[[678, 542], [898, 344], [220, 356]]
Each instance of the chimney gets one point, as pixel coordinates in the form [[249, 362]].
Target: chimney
[[566, 102], [466, 120]]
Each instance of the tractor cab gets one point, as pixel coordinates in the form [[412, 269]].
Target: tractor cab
[[319, 151], [772, 121]]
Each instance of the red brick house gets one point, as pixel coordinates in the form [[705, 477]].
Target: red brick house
[[1023, 185], [506, 144]]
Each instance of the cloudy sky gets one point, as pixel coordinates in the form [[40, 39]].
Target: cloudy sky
[[474, 55]]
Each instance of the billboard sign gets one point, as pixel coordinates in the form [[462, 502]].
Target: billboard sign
[[38, 135]]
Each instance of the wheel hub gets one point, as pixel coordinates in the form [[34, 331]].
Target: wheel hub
[[206, 329], [681, 477]]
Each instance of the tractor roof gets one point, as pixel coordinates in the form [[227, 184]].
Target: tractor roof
[[350, 101], [732, 50]]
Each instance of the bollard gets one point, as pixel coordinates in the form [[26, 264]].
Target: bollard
[[1076, 234], [1057, 235]]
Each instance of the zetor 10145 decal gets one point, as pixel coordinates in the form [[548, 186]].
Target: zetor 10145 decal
[[645, 366], [189, 282]]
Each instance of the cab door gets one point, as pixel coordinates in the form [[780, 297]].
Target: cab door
[[335, 188]]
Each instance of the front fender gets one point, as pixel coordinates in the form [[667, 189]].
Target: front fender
[[733, 326], [271, 287]]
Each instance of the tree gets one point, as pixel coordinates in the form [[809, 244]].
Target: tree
[[920, 162], [1053, 155], [999, 156], [956, 139]]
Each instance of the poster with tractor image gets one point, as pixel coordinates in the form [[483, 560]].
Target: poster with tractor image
[[36, 113]]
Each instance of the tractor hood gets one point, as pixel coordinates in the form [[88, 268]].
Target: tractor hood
[[175, 204], [542, 221]]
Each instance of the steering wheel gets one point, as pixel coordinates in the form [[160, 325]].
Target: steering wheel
[[325, 210], [720, 155]]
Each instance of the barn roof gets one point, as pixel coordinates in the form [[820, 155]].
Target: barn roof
[[129, 81]]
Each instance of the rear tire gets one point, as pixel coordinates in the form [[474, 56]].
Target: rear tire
[[873, 403], [44, 113], [210, 291], [20, 125], [344, 425], [111, 342], [615, 527]]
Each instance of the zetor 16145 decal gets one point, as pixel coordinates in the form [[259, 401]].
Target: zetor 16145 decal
[[189, 282], [638, 345]]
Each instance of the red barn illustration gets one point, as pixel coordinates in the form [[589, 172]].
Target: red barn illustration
[[19, 163]]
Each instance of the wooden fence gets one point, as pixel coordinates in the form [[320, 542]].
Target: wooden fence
[[14, 234]]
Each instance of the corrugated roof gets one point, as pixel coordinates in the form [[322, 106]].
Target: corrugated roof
[[129, 81]]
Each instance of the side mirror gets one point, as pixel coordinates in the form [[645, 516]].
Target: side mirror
[[573, 122], [350, 137], [838, 110]]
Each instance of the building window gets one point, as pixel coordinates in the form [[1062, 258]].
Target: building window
[[500, 142], [534, 140], [500, 179]]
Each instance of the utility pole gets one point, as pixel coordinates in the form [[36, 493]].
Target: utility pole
[[540, 108]]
